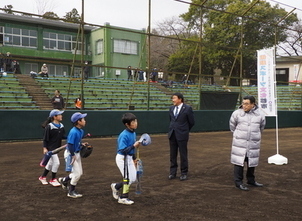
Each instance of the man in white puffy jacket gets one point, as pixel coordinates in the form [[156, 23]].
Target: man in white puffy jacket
[[246, 123]]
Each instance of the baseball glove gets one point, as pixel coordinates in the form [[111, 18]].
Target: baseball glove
[[86, 150]]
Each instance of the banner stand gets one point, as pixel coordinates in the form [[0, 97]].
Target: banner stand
[[267, 93], [277, 158]]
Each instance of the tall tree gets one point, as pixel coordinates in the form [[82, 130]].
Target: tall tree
[[292, 46], [8, 9], [73, 16], [50, 15], [169, 32], [44, 6], [226, 22]]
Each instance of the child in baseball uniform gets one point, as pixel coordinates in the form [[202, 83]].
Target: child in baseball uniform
[[54, 132], [126, 144], [74, 146]]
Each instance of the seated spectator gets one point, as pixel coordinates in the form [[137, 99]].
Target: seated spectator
[[44, 71]]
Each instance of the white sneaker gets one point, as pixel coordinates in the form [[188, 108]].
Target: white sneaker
[[43, 180], [115, 192], [54, 182], [125, 201]]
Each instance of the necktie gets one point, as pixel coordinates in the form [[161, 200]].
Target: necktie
[[176, 112]]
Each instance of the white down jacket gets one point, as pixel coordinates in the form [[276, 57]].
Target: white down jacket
[[246, 128]]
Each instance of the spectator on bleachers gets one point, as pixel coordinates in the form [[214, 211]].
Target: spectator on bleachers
[[160, 75], [154, 75], [1, 62], [184, 79], [44, 71], [135, 74], [58, 101], [141, 75], [86, 71], [78, 103], [15, 67], [7, 62], [129, 72]]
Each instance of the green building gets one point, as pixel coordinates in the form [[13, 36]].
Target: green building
[[34, 41]]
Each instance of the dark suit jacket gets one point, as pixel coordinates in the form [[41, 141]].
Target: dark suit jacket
[[181, 125]]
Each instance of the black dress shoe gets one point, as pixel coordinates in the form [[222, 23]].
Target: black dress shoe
[[171, 177], [183, 177], [242, 187], [255, 184]]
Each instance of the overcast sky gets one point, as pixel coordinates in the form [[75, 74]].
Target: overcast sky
[[123, 13]]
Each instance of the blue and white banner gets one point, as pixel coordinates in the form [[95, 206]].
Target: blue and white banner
[[267, 99]]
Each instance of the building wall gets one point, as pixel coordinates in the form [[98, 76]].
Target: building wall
[[33, 57], [295, 70]]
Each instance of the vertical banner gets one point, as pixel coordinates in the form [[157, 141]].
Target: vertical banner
[[267, 99]]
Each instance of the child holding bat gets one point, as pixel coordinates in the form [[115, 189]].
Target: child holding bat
[[54, 132], [74, 146], [126, 144]]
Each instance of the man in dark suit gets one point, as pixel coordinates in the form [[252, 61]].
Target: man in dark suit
[[181, 122]]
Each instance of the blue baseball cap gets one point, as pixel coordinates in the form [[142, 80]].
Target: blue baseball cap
[[76, 116], [55, 112]]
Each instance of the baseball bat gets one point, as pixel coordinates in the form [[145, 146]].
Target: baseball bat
[[126, 177], [48, 155], [139, 174]]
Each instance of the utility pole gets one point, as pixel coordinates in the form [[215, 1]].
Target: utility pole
[[82, 57]]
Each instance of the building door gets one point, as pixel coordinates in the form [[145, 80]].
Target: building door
[[282, 76]]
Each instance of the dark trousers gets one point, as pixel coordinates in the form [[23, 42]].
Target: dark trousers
[[176, 145], [238, 173]]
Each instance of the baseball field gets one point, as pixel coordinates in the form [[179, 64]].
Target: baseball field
[[208, 194]]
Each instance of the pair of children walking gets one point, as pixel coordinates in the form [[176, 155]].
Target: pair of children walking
[[53, 134]]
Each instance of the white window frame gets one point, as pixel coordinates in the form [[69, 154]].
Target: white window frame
[[125, 46], [99, 45], [56, 40], [31, 36]]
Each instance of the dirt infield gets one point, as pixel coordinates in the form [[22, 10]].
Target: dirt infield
[[208, 194]]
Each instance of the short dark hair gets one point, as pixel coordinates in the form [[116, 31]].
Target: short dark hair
[[127, 118], [251, 98], [179, 95]]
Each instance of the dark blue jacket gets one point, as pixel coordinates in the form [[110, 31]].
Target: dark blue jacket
[[181, 125]]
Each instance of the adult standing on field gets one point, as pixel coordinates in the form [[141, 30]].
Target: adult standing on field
[[181, 122], [247, 124]]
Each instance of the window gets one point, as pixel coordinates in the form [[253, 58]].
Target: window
[[19, 37], [57, 70], [125, 47], [62, 42], [99, 47], [31, 67]]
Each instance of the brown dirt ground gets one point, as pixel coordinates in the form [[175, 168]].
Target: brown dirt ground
[[208, 194]]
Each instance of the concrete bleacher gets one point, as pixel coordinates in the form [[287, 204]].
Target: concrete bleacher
[[13, 95], [101, 94], [288, 97], [109, 94]]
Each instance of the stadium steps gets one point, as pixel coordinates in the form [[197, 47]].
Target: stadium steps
[[35, 91]]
